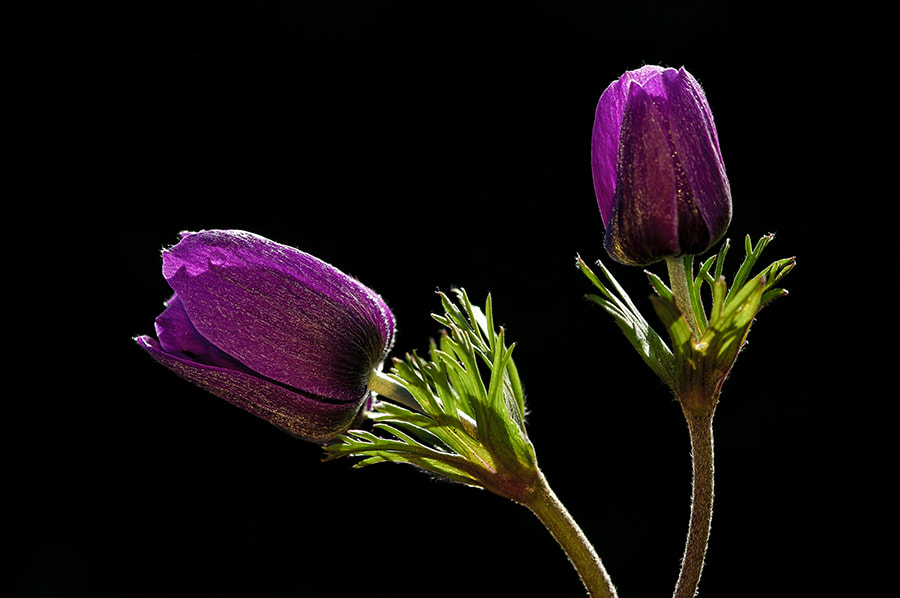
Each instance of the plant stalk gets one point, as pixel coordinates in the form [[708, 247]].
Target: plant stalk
[[678, 280], [550, 511], [700, 428]]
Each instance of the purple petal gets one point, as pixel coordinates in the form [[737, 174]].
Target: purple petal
[[308, 417], [697, 146], [644, 220], [281, 312], [177, 336], [606, 133]]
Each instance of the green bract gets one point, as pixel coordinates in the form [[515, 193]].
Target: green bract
[[696, 364], [471, 429]]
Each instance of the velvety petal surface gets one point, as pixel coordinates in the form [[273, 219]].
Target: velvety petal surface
[[696, 145], [308, 417], [177, 336], [644, 219], [281, 312], [606, 133]]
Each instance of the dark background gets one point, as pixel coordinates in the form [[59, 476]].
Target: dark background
[[421, 146]]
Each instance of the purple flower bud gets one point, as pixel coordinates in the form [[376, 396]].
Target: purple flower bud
[[272, 330], [658, 171]]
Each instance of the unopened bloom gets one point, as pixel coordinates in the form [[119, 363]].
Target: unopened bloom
[[272, 330], [658, 172]]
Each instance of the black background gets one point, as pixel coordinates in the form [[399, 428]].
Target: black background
[[421, 146]]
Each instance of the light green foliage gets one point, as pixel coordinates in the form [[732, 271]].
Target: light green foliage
[[651, 347], [471, 428], [695, 366]]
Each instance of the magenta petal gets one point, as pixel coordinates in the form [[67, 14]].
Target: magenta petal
[[644, 220], [606, 134], [281, 312], [177, 335], [307, 417]]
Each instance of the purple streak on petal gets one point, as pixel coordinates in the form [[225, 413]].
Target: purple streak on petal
[[645, 217], [281, 312], [308, 417], [606, 133]]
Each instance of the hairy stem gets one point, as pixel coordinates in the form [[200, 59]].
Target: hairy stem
[[547, 507], [700, 427], [678, 280]]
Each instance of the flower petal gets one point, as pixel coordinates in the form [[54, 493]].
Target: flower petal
[[696, 145], [177, 335], [307, 417], [606, 134], [281, 312], [645, 217]]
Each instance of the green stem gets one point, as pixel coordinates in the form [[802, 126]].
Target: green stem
[[700, 428], [547, 507], [678, 280]]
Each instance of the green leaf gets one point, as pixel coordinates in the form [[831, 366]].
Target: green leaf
[[675, 323], [649, 345], [751, 255], [472, 429], [720, 261], [658, 285], [695, 367]]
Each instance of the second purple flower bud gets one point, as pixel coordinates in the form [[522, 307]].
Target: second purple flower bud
[[658, 172]]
